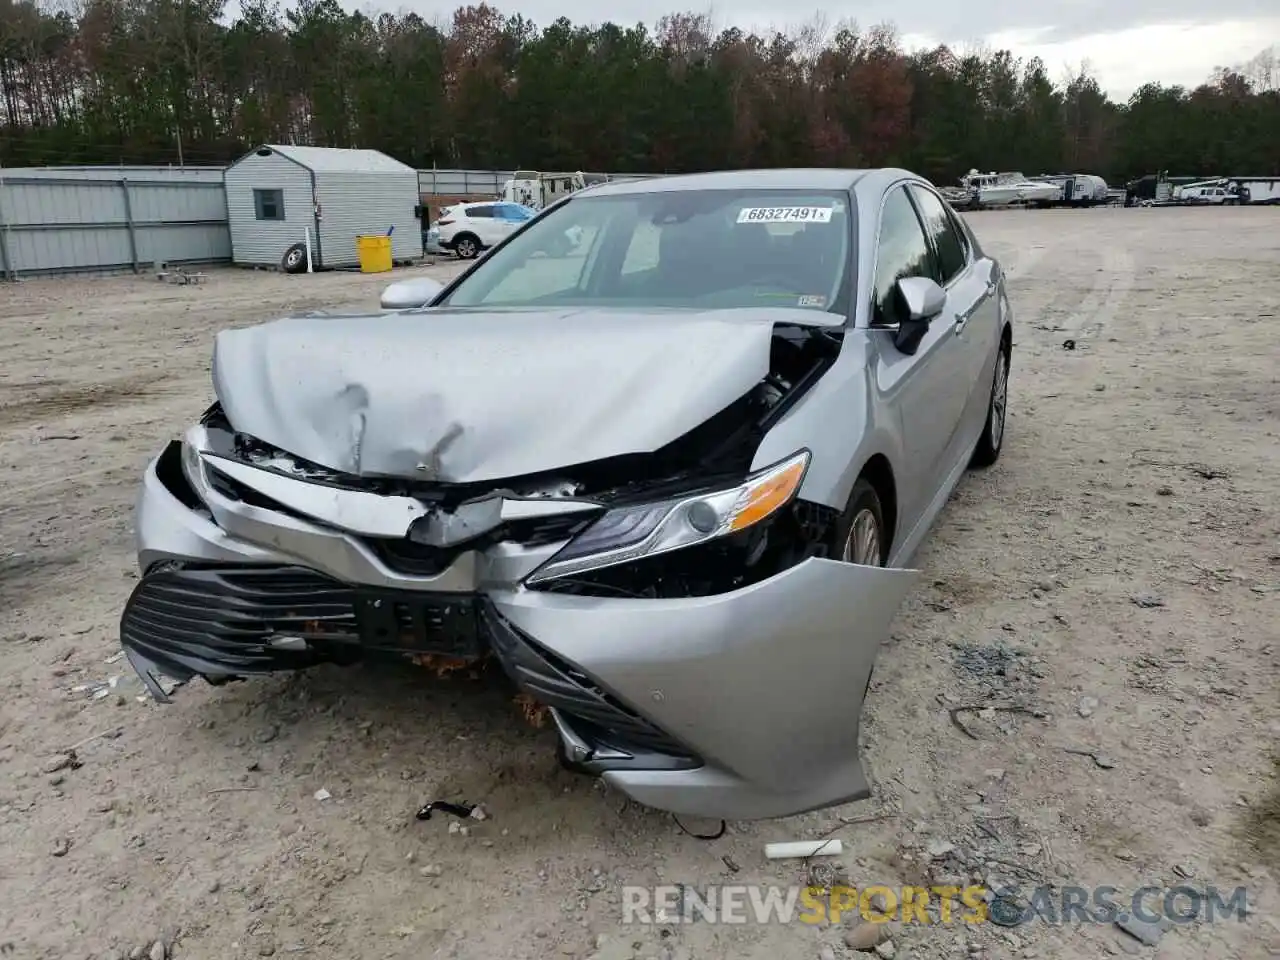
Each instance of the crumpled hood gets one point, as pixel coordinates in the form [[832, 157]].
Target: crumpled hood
[[460, 396]]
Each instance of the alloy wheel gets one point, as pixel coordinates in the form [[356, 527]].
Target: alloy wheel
[[999, 399], [863, 543]]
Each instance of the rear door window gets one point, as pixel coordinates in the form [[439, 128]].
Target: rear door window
[[942, 230]]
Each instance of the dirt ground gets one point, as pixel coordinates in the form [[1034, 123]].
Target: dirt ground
[[1117, 573]]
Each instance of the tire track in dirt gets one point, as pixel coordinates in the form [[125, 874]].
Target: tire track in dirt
[[64, 402]]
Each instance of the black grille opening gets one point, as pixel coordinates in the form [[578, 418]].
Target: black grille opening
[[556, 683]]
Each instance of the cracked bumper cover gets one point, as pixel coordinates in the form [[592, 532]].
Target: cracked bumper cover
[[741, 705]]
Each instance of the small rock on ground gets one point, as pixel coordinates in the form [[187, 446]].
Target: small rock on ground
[[866, 936]]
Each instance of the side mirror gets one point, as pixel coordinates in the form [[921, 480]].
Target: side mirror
[[406, 294], [921, 299]]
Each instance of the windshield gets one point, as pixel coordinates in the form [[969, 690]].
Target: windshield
[[706, 250]]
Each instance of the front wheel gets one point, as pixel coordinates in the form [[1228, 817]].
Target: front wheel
[[992, 439], [860, 535]]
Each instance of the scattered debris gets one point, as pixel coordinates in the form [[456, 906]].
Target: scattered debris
[[62, 761], [123, 685], [886, 950], [730, 863], [61, 847], [322, 794], [1164, 490], [1147, 600], [1101, 759], [1183, 871], [534, 712], [867, 936], [180, 276], [937, 849], [158, 951], [463, 810], [1087, 706], [1201, 470], [1068, 344], [986, 661], [1146, 933], [987, 711], [431, 871], [478, 812]]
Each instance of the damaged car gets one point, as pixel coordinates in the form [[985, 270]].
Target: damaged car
[[669, 476]]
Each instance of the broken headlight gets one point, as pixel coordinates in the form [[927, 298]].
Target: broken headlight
[[192, 465], [628, 533]]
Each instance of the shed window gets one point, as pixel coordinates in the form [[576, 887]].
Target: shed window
[[268, 204]]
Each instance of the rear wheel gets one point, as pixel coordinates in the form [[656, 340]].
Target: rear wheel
[[466, 246], [992, 439]]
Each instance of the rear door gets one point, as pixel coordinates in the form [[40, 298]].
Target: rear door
[[923, 386], [970, 283]]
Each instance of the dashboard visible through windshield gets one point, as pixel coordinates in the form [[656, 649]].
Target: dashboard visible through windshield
[[705, 250]]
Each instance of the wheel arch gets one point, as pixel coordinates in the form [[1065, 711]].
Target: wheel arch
[[879, 473]]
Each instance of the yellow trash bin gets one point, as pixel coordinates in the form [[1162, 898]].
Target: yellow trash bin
[[374, 254]]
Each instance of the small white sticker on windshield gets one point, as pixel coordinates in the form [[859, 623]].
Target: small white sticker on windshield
[[785, 215]]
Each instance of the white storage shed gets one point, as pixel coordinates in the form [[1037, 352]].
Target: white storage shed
[[275, 193]]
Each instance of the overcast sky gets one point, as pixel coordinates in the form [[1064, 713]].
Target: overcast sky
[[1127, 42]]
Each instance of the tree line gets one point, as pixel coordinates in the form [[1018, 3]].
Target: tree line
[[170, 81]]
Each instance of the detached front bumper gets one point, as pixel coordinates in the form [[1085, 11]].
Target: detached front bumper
[[740, 705]]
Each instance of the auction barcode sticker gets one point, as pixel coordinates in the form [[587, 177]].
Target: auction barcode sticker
[[785, 215]]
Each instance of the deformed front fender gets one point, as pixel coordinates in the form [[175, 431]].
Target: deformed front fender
[[765, 684]]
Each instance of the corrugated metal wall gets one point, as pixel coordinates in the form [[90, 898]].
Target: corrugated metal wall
[[69, 219], [367, 203], [97, 221], [263, 243]]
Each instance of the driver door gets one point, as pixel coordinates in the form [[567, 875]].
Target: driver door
[[922, 387]]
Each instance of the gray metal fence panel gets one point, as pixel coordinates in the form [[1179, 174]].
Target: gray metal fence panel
[[88, 222], [449, 183]]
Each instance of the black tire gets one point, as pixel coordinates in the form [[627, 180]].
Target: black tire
[[992, 440], [466, 246], [294, 259], [862, 499]]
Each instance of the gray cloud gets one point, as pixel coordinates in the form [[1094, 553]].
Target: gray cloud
[[956, 22]]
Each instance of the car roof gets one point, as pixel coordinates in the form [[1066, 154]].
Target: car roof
[[802, 178]]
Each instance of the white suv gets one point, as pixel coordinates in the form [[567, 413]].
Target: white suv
[[468, 228]]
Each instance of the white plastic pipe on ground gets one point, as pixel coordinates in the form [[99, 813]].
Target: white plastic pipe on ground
[[803, 848]]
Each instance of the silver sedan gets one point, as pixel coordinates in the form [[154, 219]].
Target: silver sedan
[[664, 455]]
